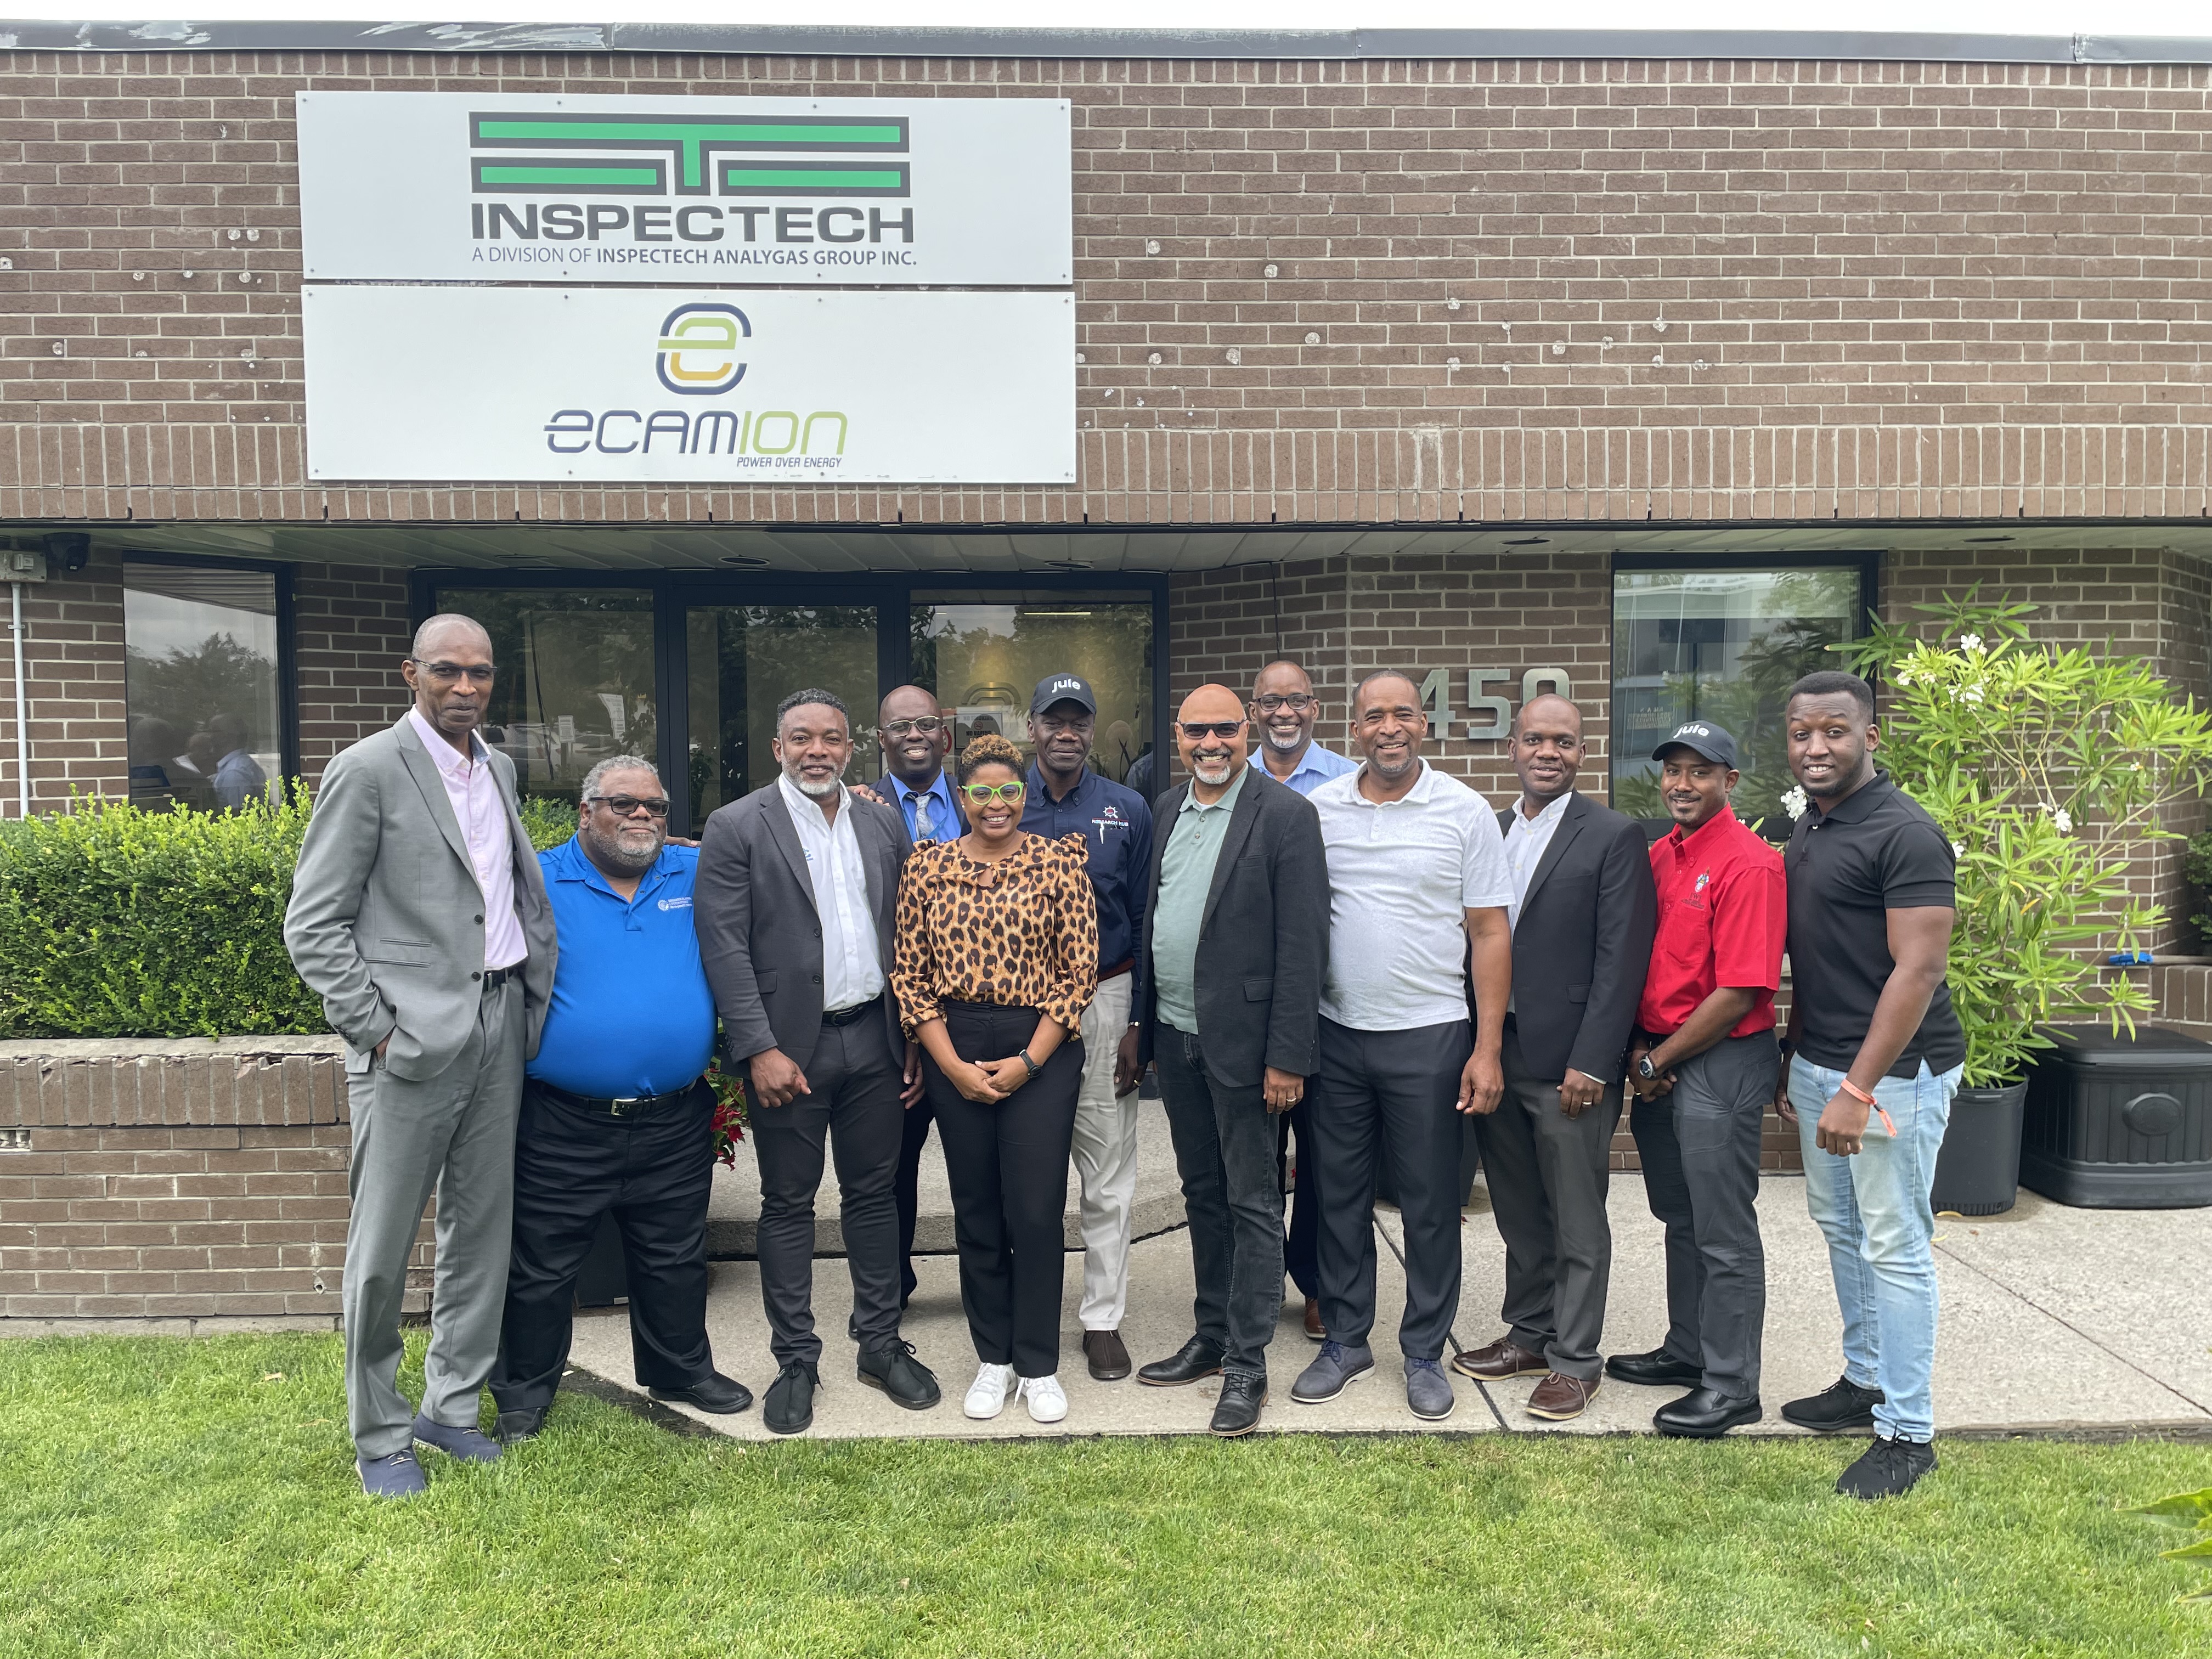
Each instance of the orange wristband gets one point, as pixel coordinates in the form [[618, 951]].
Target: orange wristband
[[1867, 1100]]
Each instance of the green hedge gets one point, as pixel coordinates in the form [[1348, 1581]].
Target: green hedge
[[115, 921]]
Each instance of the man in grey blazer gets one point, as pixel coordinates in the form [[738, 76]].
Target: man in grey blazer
[[418, 916], [796, 886], [1582, 918]]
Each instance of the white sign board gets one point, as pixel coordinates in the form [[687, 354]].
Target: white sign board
[[492, 186], [537, 385]]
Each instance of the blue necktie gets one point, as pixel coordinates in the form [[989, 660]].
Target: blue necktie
[[924, 829]]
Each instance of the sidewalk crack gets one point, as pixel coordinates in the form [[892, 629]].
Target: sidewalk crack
[[1452, 1336]]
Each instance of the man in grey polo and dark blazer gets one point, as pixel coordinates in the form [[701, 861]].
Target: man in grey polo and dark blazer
[[418, 916], [1582, 918], [796, 886]]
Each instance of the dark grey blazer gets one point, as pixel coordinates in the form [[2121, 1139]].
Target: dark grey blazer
[[1583, 943], [1262, 943], [760, 935]]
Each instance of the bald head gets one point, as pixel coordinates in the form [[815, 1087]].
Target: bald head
[[1547, 750], [1283, 710], [449, 669], [1212, 756]]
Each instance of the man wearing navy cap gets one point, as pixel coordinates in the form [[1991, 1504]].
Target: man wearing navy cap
[[616, 1114], [1703, 1065], [1066, 797]]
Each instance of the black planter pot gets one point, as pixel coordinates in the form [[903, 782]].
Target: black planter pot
[[1978, 1171]]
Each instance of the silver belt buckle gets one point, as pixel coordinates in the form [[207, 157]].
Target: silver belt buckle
[[622, 1105]]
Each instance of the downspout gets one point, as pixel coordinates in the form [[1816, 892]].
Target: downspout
[[22, 710]]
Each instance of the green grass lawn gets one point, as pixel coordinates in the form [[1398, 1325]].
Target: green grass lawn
[[198, 1497]]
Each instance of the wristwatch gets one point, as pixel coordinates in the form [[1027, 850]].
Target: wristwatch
[[1644, 1069], [1034, 1067]]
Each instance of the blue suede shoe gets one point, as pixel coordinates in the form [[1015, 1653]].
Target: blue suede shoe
[[397, 1476], [474, 1444]]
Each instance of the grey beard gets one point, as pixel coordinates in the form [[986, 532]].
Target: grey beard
[[615, 852], [1275, 739], [814, 791], [1222, 771]]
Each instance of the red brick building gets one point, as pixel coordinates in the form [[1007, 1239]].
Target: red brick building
[[1648, 364]]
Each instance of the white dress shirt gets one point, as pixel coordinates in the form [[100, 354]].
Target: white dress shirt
[[1526, 838], [473, 793], [852, 966]]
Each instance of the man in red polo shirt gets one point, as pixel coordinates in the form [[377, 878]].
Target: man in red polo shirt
[[1703, 1065]]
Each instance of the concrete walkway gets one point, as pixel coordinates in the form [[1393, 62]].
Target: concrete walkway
[[2053, 1318]]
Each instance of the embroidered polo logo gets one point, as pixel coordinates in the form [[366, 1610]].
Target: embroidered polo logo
[[1705, 880]]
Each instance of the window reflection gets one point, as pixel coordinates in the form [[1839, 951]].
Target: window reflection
[[1723, 645], [575, 678], [743, 660], [983, 654], [199, 680]]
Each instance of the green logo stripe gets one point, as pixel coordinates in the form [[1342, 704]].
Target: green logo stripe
[[734, 132], [571, 173], [738, 179]]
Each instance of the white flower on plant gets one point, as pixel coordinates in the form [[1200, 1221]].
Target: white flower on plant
[[1795, 803], [1970, 642], [2061, 819], [1958, 849], [1970, 693], [1902, 677]]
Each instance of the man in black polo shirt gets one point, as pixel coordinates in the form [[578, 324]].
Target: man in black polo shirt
[[1875, 1054]]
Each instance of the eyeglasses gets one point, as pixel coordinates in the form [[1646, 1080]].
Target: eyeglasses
[[984, 793], [477, 672], [1196, 730], [929, 725], [1296, 702], [624, 807]]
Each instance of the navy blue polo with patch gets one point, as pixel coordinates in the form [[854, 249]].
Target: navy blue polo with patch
[[632, 1014], [1116, 827]]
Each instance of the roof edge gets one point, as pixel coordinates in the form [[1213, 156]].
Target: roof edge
[[1279, 45]]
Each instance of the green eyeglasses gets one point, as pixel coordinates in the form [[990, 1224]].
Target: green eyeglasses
[[984, 793]]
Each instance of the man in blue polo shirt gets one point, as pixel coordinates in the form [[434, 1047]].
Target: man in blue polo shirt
[[615, 1114], [1066, 797]]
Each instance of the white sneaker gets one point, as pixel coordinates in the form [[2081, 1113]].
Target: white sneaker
[[1048, 1403], [987, 1394]]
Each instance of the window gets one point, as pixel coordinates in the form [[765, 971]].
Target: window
[[983, 654], [200, 685], [575, 678], [742, 660], [1722, 646]]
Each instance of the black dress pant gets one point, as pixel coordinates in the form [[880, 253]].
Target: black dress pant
[[1394, 1094], [853, 1109], [1547, 1189], [908, 1190], [1302, 1239], [1699, 1149], [1232, 1195], [653, 1170], [1008, 1165]]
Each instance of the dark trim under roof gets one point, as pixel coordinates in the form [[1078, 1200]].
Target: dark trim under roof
[[1397, 44]]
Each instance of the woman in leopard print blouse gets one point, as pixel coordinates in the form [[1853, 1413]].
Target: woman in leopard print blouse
[[997, 958]]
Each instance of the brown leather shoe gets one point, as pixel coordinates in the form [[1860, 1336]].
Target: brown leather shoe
[[1561, 1398], [1504, 1358], [1108, 1359], [1316, 1331]]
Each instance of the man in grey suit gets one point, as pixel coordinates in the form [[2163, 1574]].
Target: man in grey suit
[[796, 886], [1582, 918], [418, 916]]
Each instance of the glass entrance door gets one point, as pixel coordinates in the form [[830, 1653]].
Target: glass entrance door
[[743, 660]]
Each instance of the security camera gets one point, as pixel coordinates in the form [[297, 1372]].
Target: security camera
[[70, 549]]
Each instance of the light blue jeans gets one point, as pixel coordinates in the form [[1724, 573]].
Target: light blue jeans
[[1873, 1210]]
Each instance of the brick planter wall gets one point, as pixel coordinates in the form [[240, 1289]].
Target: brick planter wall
[[176, 1178]]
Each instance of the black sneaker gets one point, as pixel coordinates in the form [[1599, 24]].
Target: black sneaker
[[1842, 1404], [893, 1369], [1888, 1468]]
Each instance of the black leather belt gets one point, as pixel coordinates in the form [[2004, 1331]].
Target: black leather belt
[[847, 1016], [628, 1106], [494, 977]]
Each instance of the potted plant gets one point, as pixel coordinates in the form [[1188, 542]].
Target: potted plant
[[2048, 766]]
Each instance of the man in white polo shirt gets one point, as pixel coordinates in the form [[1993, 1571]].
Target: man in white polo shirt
[[1416, 875]]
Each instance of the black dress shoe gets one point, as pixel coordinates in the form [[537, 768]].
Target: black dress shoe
[[514, 1427], [1195, 1359], [1108, 1359], [1702, 1414], [1237, 1412], [1656, 1370], [725, 1396], [1842, 1404], [790, 1407], [894, 1369]]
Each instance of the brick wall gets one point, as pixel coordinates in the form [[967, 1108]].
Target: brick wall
[[351, 621], [177, 1178], [1382, 291]]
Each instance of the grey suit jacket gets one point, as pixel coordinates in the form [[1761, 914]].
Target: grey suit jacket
[[759, 933], [386, 919]]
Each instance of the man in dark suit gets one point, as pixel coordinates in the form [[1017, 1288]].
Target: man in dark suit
[[796, 889], [1228, 1006], [1581, 940], [915, 735]]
